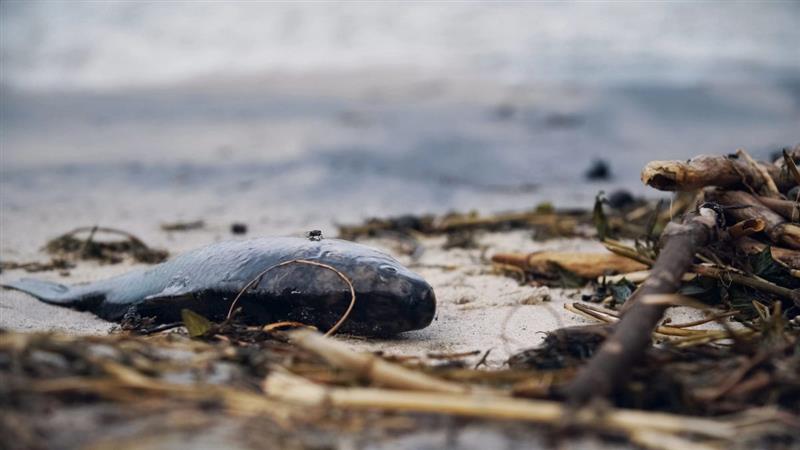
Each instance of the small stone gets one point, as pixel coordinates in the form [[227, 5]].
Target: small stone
[[620, 199], [598, 170], [238, 228]]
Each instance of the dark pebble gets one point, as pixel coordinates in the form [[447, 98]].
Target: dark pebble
[[238, 228], [620, 199], [599, 170]]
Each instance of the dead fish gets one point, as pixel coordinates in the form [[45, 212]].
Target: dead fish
[[389, 297]]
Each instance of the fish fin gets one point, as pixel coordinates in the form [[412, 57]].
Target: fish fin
[[46, 291]]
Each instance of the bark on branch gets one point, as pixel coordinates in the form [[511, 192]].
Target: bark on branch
[[723, 171], [789, 209], [632, 334]]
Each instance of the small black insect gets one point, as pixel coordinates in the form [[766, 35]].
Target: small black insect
[[314, 235]]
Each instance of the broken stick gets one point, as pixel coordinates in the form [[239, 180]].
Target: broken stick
[[632, 335]]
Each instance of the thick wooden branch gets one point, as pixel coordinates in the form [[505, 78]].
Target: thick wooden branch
[[705, 170], [632, 334], [742, 206]]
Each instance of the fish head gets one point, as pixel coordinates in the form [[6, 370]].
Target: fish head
[[390, 298], [313, 286]]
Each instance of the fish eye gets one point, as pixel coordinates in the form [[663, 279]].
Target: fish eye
[[388, 269]]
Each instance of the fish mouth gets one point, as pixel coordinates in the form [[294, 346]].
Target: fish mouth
[[424, 307], [384, 314], [405, 305]]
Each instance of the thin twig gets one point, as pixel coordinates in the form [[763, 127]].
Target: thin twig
[[790, 165], [311, 263]]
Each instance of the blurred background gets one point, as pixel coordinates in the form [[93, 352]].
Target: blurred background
[[300, 115]]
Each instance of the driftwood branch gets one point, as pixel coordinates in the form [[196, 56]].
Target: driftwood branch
[[632, 335], [724, 171], [742, 206]]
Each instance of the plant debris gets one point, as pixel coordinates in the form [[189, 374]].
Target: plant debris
[[625, 219], [183, 226], [35, 266], [236, 375], [83, 244]]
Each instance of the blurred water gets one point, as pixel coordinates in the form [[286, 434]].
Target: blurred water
[[97, 45]]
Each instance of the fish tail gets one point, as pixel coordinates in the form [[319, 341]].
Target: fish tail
[[46, 291]]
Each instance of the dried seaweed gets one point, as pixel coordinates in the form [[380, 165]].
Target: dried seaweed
[[35, 266], [183, 226], [73, 246]]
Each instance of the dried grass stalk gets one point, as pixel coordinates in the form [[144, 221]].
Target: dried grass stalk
[[746, 228], [371, 367], [297, 390], [767, 184], [586, 265]]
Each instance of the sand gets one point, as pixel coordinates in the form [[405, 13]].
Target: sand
[[478, 310]]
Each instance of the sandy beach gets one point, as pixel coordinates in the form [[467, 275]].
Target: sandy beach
[[478, 309]]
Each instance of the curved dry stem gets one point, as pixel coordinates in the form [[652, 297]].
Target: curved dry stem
[[746, 228], [258, 277], [94, 229], [791, 167]]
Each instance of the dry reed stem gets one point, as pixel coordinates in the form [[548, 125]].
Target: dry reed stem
[[746, 228], [788, 160], [768, 185], [370, 366], [297, 390], [584, 264]]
